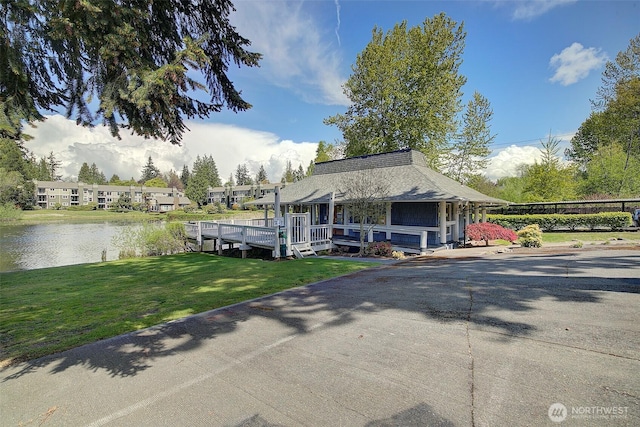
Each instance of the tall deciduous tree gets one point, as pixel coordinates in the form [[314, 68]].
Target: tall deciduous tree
[[156, 182], [173, 180], [136, 58], [471, 147], [613, 129], [405, 90]]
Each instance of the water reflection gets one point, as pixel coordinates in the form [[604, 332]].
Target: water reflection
[[26, 247]]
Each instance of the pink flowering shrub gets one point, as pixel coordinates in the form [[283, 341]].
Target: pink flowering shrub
[[488, 231]]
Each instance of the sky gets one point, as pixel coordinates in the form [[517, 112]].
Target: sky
[[539, 63]]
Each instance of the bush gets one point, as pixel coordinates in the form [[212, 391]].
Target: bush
[[379, 249], [91, 206], [9, 212], [488, 231], [548, 222], [151, 239], [192, 208], [530, 236]]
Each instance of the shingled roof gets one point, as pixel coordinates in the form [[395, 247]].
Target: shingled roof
[[406, 172]]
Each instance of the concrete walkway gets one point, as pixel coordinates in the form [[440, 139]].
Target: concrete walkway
[[514, 339]]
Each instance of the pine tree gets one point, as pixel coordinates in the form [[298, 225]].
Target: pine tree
[[137, 58], [242, 175], [261, 177], [149, 171], [53, 165], [184, 176], [204, 175]]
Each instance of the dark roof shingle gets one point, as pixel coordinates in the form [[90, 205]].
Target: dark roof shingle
[[406, 172]]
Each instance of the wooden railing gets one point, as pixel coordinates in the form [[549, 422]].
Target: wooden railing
[[321, 236], [266, 237]]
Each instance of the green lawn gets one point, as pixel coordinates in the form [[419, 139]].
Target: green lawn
[[43, 216], [586, 236], [53, 309]]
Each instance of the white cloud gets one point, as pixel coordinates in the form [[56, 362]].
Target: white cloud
[[229, 145], [575, 63], [297, 53], [506, 162], [529, 9]]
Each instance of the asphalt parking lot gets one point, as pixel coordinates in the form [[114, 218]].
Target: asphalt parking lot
[[515, 339]]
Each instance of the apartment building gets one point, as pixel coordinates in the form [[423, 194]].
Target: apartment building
[[230, 195], [50, 194]]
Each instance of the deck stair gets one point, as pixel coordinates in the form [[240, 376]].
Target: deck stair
[[303, 250]]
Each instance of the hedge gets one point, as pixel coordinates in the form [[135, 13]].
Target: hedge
[[548, 222]]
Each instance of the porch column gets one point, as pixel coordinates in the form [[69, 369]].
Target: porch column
[[476, 213], [456, 217], [276, 205], [388, 220], [484, 214], [442, 221], [332, 208], [466, 215]]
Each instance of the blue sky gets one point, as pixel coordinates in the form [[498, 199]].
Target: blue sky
[[537, 62]]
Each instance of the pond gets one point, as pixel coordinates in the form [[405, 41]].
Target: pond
[[27, 247]]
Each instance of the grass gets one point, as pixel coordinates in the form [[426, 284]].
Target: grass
[[49, 310], [44, 216], [586, 236]]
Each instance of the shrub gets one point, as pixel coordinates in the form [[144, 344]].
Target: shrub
[[530, 236], [488, 231], [151, 239], [91, 206], [9, 212], [548, 222], [398, 255], [379, 249], [214, 208], [192, 208]]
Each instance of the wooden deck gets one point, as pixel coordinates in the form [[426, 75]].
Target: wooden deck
[[295, 235]]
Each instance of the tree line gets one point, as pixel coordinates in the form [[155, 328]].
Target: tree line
[[604, 155], [19, 167]]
